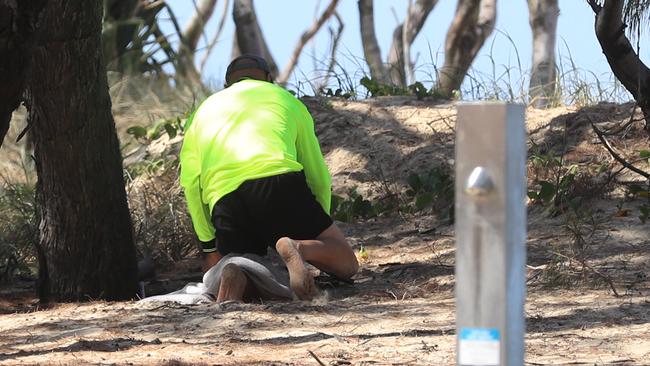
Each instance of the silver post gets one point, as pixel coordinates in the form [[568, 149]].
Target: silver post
[[490, 234]]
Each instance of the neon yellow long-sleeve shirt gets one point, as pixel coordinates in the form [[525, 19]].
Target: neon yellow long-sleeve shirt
[[253, 129]]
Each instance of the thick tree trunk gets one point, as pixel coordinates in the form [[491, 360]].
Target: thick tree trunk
[[543, 22], [401, 73], [248, 34], [371, 49], [86, 238], [473, 23], [19, 21], [623, 60]]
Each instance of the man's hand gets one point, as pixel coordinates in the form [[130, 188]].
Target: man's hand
[[210, 260]]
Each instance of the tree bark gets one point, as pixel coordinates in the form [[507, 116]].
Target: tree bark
[[623, 60], [543, 16], [473, 23], [86, 238], [371, 51], [304, 38], [248, 34], [401, 73], [19, 22]]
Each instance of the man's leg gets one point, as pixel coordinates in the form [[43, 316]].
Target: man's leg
[[329, 252], [233, 284]]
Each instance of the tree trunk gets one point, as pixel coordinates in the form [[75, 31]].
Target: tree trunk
[[623, 60], [371, 49], [543, 22], [86, 238], [248, 34], [401, 73], [472, 24], [19, 21]]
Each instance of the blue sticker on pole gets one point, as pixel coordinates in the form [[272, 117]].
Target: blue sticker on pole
[[479, 346]]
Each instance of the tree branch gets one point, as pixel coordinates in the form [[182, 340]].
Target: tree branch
[[336, 37], [196, 25], [306, 36], [616, 156], [215, 39]]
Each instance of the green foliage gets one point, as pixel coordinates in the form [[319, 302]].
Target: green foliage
[[554, 183], [353, 206], [377, 89], [19, 231], [433, 189], [644, 213], [645, 154], [147, 167], [147, 134], [338, 93]]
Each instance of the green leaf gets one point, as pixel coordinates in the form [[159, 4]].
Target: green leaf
[[153, 133], [645, 213], [423, 200], [645, 154], [336, 201], [547, 191], [137, 131], [361, 207], [171, 130], [414, 182]]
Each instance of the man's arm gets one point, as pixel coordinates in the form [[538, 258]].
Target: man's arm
[[312, 160], [189, 177]]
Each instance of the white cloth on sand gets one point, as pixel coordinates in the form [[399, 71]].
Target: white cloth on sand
[[268, 274]]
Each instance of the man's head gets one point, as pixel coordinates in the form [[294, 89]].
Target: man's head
[[247, 66]]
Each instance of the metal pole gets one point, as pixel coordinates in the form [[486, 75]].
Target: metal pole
[[490, 234]]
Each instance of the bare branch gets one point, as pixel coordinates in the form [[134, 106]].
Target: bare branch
[[336, 37], [399, 56], [196, 25], [217, 34], [616, 156], [306, 36]]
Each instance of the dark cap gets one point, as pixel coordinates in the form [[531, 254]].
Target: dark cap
[[246, 61]]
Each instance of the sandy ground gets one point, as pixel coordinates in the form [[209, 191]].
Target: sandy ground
[[400, 311]]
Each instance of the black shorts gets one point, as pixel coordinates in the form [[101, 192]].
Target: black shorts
[[263, 210]]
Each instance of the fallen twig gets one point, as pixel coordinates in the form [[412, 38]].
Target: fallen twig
[[605, 277], [316, 358]]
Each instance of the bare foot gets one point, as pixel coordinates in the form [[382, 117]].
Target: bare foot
[[301, 281], [233, 284]]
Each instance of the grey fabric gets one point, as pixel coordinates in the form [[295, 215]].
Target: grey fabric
[[268, 274]]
